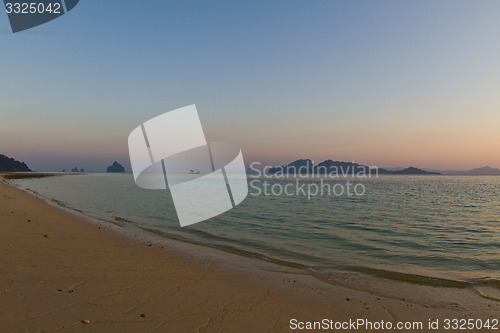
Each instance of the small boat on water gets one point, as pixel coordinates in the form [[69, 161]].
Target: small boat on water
[[194, 172]]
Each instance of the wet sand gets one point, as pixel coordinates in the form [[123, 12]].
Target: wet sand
[[59, 271]]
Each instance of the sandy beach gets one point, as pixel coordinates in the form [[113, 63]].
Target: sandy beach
[[58, 271]]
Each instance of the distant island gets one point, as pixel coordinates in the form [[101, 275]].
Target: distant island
[[8, 164], [301, 166], [330, 167], [75, 169], [414, 171], [116, 167], [484, 171]]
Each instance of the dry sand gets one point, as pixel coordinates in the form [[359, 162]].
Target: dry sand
[[58, 271]]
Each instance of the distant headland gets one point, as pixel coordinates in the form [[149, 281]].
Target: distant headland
[[8, 164]]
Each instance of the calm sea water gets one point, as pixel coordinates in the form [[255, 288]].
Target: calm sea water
[[441, 230]]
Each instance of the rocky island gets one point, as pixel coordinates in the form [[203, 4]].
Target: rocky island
[[116, 167]]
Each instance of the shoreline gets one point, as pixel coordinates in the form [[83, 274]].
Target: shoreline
[[220, 291], [131, 229], [127, 228]]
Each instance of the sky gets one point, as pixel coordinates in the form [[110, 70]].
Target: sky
[[385, 83]]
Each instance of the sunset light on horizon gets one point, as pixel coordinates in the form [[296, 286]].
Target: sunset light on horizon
[[389, 83]]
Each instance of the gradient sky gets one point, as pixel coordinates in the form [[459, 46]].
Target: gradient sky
[[386, 83]]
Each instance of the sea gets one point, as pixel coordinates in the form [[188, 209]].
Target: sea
[[432, 230]]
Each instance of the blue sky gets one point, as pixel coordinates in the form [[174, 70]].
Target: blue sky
[[387, 83]]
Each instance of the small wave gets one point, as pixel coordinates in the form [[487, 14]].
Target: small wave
[[488, 288], [489, 282], [59, 203], [119, 221], [413, 278], [228, 249]]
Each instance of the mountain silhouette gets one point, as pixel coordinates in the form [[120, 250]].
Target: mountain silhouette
[[330, 167], [9, 164], [116, 167]]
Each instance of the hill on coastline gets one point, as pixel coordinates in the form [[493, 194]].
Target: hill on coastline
[[8, 164]]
